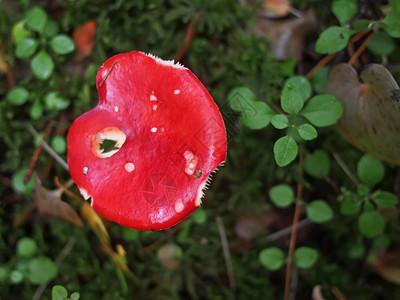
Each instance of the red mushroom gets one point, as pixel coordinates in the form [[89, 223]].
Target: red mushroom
[[145, 153]]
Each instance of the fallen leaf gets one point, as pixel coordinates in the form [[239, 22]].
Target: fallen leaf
[[96, 223], [83, 37], [49, 203], [287, 36], [251, 224], [371, 118], [276, 8], [388, 266]]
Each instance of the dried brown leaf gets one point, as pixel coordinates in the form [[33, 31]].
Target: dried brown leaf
[[371, 118]]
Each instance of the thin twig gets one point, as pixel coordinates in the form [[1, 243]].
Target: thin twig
[[360, 50], [227, 254], [47, 147], [320, 64], [345, 168], [296, 217], [190, 34], [37, 152], [65, 188], [61, 256], [286, 231], [338, 294]]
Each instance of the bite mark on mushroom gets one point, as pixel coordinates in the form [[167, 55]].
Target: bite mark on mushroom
[[113, 134], [84, 193]]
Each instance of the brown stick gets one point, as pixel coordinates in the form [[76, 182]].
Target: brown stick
[[37, 152], [65, 189], [190, 34], [361, 49], [320, 64], [293, 237]]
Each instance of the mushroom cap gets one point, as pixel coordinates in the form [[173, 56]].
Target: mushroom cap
[[168, 137]]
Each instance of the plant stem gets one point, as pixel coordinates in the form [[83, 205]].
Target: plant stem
[[296, 218], [360, 50]]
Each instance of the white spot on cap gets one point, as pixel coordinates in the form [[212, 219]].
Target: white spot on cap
[[153, 98], [179, 205], [116, 109], [176, 92], [154, 106], [191, 162], [85, 170], [154, 129], [129, 167], [84, 193]]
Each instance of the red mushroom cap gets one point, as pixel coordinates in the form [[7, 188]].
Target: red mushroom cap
[[167, 136]]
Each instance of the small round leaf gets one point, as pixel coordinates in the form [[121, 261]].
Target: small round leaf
[[282, 195], [19, 32], [291, 100], [59, 144], [26, 48], [382, 44], [305, 257], [344, 10], [26, 247], [42, 65], [285, 150], [317, 164], [323, 110], [391, 24], [332, 40], [258, 116], [350, 207], [302, 84], [240, 97], [42, 269], [371, 223], [59, 292], [280, 121], [54, 101], [36, 110], [62, 44], [319, 211], [307, 132], [272, 258], [385, 199], [36, 19], [18, 95], [370, 170]]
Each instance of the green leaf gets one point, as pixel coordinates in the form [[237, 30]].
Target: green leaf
[[3, 273], [16, 276], [54, 101], [240, 98], [258, 117], [36, 110], [371, 224], [384, 199], [26, 247], [391, 24], [307, 132], [282, 195], [199, 216], [280, 121], [381, 44], [395, 5], [285, 150], [320, 79], [370, 170], [301, 83], [323, 110], [291, 100], [18, 95], [382, 241], [349, 207], [305, 257], [18, 182], [362, 190], [319, 211], [317, 164], [62, 44], [51, 28], [59, 144], [36, 19], [75, 296], [344, 10], [42, 269], [272, 258], [26, 48], [19, 32], [59, 292], [42, 65], [332, 40]]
